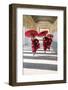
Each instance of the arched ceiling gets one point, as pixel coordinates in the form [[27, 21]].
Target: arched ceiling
[[50, 19]]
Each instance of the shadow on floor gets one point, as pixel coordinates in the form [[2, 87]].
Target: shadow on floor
[[40, 57], [40, 66]]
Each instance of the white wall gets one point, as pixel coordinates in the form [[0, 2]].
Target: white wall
[[4, 47]]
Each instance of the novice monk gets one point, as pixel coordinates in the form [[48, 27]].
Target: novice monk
[[35, 44], [45, 42]]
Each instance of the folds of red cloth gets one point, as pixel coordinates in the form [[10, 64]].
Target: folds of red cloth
[[35, 45]]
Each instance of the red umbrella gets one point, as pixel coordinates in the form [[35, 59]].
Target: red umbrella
[[50, 35], [43, 33], [30, 33]]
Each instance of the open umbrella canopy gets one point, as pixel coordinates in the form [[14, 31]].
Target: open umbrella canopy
[[50, 35], [43, 33], [31, 33]]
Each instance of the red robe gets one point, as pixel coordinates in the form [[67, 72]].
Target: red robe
[[35, 45], [47, 43]]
